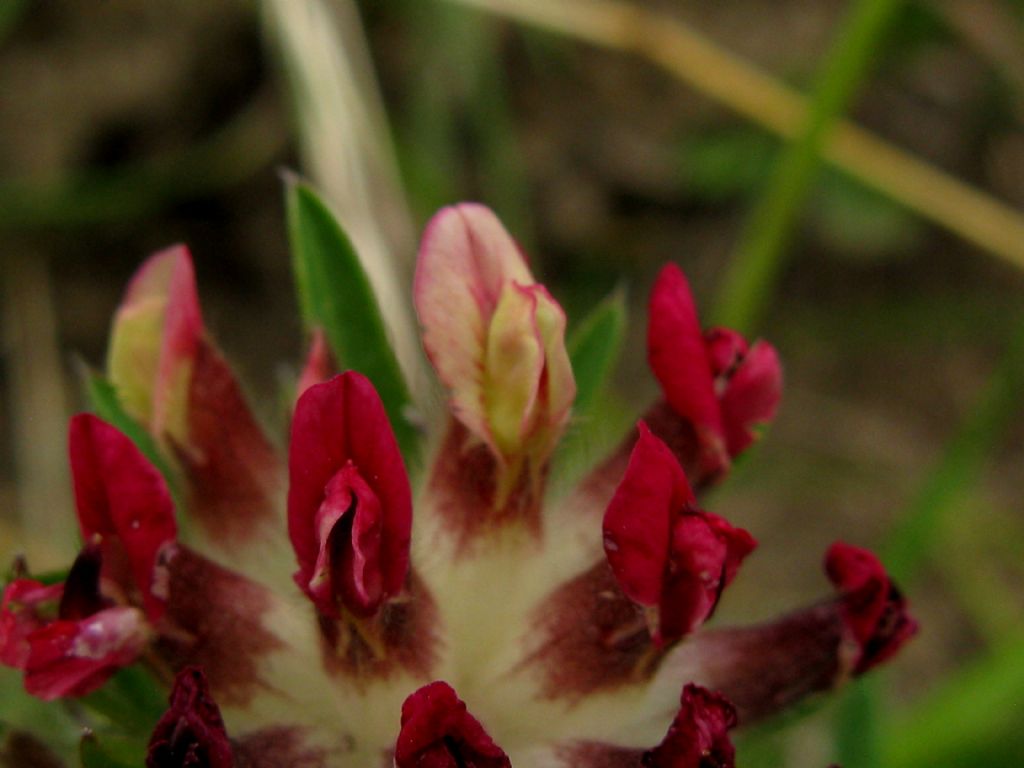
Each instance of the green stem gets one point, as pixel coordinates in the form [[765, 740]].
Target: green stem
[[921, 524], [754, 272]]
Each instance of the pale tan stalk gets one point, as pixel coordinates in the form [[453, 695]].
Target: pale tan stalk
[[668, 42]]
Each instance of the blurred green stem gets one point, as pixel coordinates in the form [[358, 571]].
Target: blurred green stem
[[666, 41], [921, 524], [974, 708], [754, 271]]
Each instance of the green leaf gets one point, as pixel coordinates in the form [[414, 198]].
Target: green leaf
[[102, 396], [973, 711], [111, 751], [598, 418], [335, 294], [131, 700], [594, 348]]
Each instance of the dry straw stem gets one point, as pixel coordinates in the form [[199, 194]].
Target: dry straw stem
[[692, 58]]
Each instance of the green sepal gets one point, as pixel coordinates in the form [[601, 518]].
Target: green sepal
[[594, 349], [132, 700]]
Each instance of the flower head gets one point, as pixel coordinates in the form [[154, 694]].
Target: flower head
[[482, 622]]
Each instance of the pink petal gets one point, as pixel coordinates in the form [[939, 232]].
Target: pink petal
[[465, 260], [438, 732], [73, 658], [679, 359], [341, 426], [123, 498], [157, 328], [192, 731], [751, 396]]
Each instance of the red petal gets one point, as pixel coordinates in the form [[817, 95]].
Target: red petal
[[73, 658], [752, 395], [348, 566], [21, 614], [698, 737], [637, 523], [337, 425], [123, 498], [872, 608], [705, 556], [664, 551], [191, 732], [679, 359], [726, 349], [438, 732]]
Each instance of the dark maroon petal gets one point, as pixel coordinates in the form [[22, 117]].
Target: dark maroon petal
[[122, 498], [81, 596], [463, 485], [27, 606], [216, 620], [663, 551], [679, 359], [73, 658], [751, 396], [874, 612], [191, 733], [590, 754], [438, 732], [400, 638], [233, 472], [23, 750], [277, 747], [699, 735], [340, 430], [767, 668], [588, 637]]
